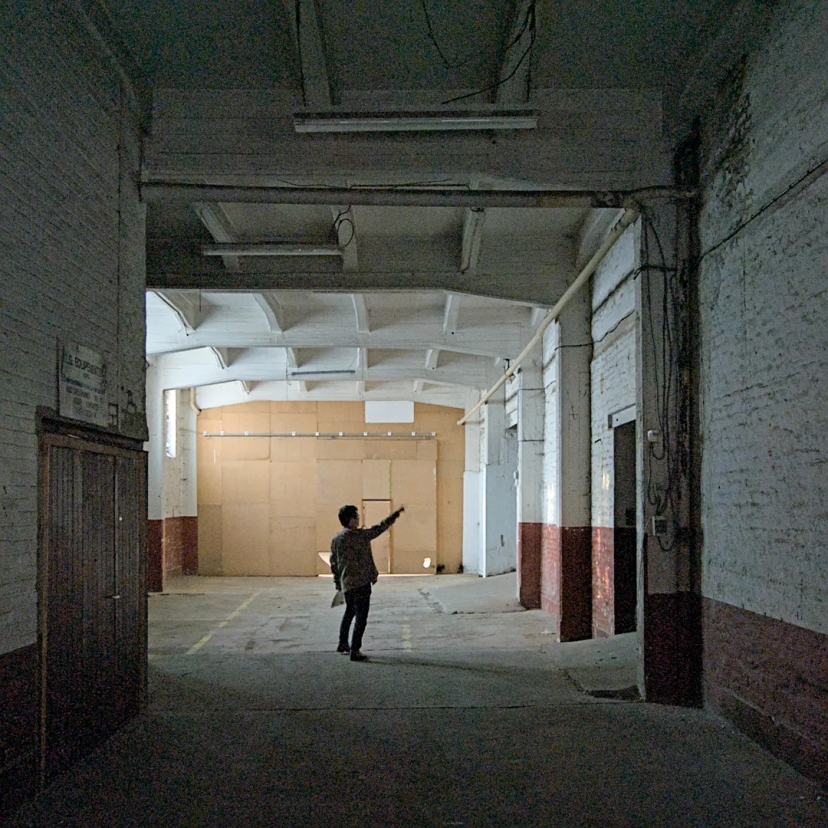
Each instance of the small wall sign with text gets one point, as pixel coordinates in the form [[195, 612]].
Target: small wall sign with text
[[82, 384]]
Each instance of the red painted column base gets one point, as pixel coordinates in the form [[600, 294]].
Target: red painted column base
[[566, 579], [529, 564]]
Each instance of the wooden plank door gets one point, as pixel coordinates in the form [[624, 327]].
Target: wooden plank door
[[93, 596]]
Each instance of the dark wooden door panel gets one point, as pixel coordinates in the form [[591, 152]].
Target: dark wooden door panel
[[94, 602]]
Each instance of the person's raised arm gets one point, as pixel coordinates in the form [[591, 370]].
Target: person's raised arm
[[382, 526]]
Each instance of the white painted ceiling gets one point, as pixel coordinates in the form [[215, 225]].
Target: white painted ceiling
[[392, 314]]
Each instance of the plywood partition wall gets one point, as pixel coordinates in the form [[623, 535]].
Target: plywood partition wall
[[268, 505]]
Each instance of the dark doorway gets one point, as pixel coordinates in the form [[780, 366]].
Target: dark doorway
[[93, 592], [625, 583]]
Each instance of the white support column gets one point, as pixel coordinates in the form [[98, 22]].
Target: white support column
[[472, 504], [566, 572], [499, 506], [530, 481]]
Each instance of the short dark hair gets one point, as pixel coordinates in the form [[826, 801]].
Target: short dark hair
[[347, 513]]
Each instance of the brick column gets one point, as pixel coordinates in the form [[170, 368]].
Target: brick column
[[566, 572], [530, 482]]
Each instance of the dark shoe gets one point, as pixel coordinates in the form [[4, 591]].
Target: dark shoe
[[344, 649], [356, 655]]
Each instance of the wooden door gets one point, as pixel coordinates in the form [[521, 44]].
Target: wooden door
[[93, 596], [373, 511]]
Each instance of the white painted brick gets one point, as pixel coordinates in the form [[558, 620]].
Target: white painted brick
[[764, 325], [65, 236]]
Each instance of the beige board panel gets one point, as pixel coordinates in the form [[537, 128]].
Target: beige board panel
[[209, 486], [246, 481], [340, 449], [293, 489], [331, 412], [209, 449], [293, 546], [299, 407], [339, 482], [427, 449], [415, 531], [450, 470], [374, 511], [390, 449], [376, 480], [414, 563], [248, 408], [450, 523], [246, 539], [209, 540], [300, 448], [246, 448], [413, 481], [294, 421]]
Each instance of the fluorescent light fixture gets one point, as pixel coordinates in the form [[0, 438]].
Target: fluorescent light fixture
[[271, 249], [317, 373], [429, 121]]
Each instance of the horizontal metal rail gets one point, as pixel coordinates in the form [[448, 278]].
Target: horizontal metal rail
[[328, 435]]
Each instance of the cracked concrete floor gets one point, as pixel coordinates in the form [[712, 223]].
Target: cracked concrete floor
[[468, 714]]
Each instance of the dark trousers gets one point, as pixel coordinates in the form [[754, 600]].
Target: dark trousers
[[357, 605]]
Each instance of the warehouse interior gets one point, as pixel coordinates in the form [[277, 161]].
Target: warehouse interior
[[552, 276]]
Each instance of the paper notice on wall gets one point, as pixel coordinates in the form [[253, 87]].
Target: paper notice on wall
[[82, 385]]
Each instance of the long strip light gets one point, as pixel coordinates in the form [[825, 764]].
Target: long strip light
[[271, 249], [414, 121]]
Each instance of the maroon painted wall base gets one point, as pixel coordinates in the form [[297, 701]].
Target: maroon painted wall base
[[173, 550], [672, 649], [529, 542], [566, 579], [180, 546], [155, 556], [603, 580], [769, 678], [19, 727]]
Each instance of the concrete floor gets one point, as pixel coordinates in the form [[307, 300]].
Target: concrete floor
[[468, 714]]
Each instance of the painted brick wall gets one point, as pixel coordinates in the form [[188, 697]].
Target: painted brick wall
[[764, 386], [613, 364], [72, 265], [764, 322]]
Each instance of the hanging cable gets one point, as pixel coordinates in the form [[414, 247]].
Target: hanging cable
[[529, 23]]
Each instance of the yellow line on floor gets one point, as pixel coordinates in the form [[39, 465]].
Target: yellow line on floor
[[199, 644], [406, 636]]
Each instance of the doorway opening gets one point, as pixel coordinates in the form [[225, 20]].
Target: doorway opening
[[624, 528]]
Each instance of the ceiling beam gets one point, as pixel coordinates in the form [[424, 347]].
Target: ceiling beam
[[432, 354], [491, 343], [362, 357], [273, 310], [345, 228], [186, 305], [222, 356], [451, 314], [398, 196], [537, 315], [290, 359], [361, 312], [216, 220], [515, 75], [316, 89], [473, 221]]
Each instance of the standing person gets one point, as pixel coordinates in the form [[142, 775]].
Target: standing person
[[354, 572]]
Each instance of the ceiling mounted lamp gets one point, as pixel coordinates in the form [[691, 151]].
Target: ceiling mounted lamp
[[427, 121], [271, 249]]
